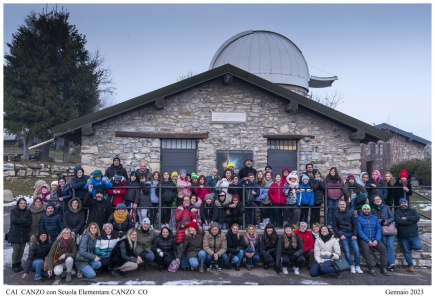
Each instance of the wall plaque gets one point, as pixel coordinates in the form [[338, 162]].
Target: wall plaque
[[232, 117]]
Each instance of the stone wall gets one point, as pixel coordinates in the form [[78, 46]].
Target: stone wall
[[190, 112], [37, 170]]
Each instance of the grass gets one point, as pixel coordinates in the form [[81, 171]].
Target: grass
[[24, 186], [56, 155]]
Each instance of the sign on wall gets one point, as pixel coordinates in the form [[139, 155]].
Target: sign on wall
[[225, 117], [238, 157]]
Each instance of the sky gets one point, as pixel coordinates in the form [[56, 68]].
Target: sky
[[381, 53]]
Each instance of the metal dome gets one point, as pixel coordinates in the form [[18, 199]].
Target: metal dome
[[268, 55]]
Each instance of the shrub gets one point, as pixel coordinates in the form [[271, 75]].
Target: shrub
[[420, 169]]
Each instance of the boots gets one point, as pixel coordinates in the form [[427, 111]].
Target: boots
[[17, 267], [57, 279], [68, 277]]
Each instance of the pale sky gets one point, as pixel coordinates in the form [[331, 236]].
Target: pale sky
[[381, 53]]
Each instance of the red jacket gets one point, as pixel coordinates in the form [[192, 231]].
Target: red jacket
[[117, 198], [276, 194], [201, 192], [181, 215], [307, 238]]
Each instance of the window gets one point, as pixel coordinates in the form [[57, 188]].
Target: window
[[282, 144], [188, 144]]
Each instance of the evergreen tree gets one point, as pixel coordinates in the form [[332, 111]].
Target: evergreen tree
[[49, 77]]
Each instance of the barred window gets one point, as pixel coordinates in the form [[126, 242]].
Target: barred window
[[188, 144], [282, 144]]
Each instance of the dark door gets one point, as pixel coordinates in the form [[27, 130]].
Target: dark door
[[178, 154], [282, 154]]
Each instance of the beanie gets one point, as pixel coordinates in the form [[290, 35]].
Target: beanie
[[208, 197], [100, 190], [305, 177], [192, 224], [121, 206], [175, 173], [116, 157], [194, 176], [54, 182], [403, 200], [303, 224], [107, 225], [231, 164], [98, 173], [403, 173], [146, 221], [366, 206], [350, 176]]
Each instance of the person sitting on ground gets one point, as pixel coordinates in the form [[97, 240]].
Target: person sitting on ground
[[86, 260], [105, 244], [121, 220], [268, 245], [326, 250], [164, 248], [39, 248], [215, 245], [145, 239], [123, 257], [289, 252]]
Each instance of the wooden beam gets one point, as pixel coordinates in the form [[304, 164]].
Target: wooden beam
[[161, 135], [287, 136], [358, 135], [87, 129], [160, 103], [292, 106]]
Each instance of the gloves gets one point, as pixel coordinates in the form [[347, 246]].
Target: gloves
[[277, 269], [160, 252], [331, 256]]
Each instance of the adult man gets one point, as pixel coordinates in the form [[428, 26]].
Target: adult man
[[143, 170], [243, 173], [100, 208], [346, 229], [252, 190], [308, 172], [369, 237], [145, 238], [407, 231], [307, 239], [116, 168], [215, 245]]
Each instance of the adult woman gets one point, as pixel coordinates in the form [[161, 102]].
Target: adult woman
[[164, 248], [252, 245], [123, 257], [87, 261], [145, 238], [405, 190], [155, 184], [234, 247], [105, 244], [377, 185], [319, 196], [289, 251], [192, 247], [268, 245], [121, 220], [65, 248], [326, 249], [64, 193], [168, 194], [74, 217], [278, 199], [264, 195], [389, 182], [21, 219], [386, 217], [38, 250], [78, 182], [334, 184], [37, 209], [201, 189], [224, 183]]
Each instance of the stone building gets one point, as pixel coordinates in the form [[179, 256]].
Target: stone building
[[249, 104]]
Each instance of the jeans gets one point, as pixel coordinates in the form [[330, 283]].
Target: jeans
[[222, 225], [37, 266], [388, 241], [250, 261], [220, 262], [332, 208], [326, 268], [89, 270], [184, 263], [348, 243], [408, 244], [198, 261], [147, 256], [237, 258]]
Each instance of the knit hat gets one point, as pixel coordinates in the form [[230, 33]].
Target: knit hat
[[121, 206], [231, 164], [46, 186], [350, 176], [288, 225], [268, 167], [249, 159], [107, 225], [146, 221], [305, 177], [403, 200], [175, 173], [303, 224], [98, 173], [403, 173], [191, 224], [116, 157], [366, 206], [54, 182], [132, 173], [41, 232], [182, 171], [100, 190], [208, 197], [194, 176], [61, 178], [50, 204]]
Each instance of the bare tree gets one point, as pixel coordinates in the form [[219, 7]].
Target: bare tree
[[188, 75], [331, 98]]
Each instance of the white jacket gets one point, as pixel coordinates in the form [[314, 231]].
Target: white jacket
[[323, 251]]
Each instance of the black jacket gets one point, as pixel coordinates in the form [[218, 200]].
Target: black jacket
[[234, 245], [168, 192], [319, 191], [344, 221], [99, 211], [268, 250], [120, 229], [208, 213], [132, 194], [281, 250], [78, 184], [167, 245], [407, 228], [112, 171], [74, 220], [21, 219], [37, 250], [121, 253]]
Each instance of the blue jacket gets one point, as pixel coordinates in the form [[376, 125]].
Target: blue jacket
[[383, 212], [250, 186], [306, 195], [96, 183], [53, 224], [369, 228]]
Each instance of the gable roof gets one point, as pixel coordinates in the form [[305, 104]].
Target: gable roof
[[406, 134], [72, 129]]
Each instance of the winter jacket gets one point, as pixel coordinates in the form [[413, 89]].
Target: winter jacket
[[383, 212], [168, 192], [400, 193], [290, 250], [276, 193], [211, 182], [99, 211], [208, 213], [369, 228], [291, 193], [86, 250], [21, 220], [71, 251], [215, 243], [333, 192], [105, 245], [344, 222], [36, 213], [113, 192], [183, 187], [154, 192], [103, 182], [319, 188], [53, 224], [145, 240], [145, 194], [122, 253], [132, 193], [112, 171], [78, 184], [120, 229], [37, 250], [181, 215], [306, 195], [224, 188], [356, 188], [243, 172], [378, 190], [201, 192], [323, 251], [407, 228], [74, 220], [234, 189], [263, 192], [268, 250], [234, 244], [192, 244], [222, 212], [307, 239], [249, 187], [234, 211], [167, 245]]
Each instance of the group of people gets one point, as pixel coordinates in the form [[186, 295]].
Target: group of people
[[115, 232]]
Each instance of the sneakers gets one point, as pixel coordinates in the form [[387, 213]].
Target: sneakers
[[339, 275], [266, 266], [358, 270], [218, 268], [384, 272], [68, 277], [411, 269], [296, 270], [79, 274], [208, 268], [284, 270], [352, 269], [372, 272]]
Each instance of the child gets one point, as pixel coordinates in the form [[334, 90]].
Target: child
[[97, 180], [208, 211], [183, 186], [305, 198], [291, 190], [117, 190], [43, 192]]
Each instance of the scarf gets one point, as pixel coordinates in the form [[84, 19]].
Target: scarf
[[120, 218], [233, 238], [325, 238], [287, 241], [34, 210], [252, 241], [45, 196], [64, 244]]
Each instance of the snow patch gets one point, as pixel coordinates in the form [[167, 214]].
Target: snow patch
[[196, 282], [312, 282], [107, 283], [251, 283]]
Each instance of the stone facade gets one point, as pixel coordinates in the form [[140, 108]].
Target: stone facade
[[36, 170], [190, 112]]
